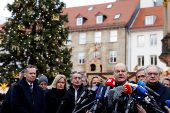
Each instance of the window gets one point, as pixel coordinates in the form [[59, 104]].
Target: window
[[113, 55], [82, 38], [81, 58], [113, 36], [68, 42], [109, 6], [90, 8], [97, 37], [140, 41], [79, 21], [99, 19], [117, 16], [141, 61], [149, 20], [97, 54], [153, 39], [153, 60]]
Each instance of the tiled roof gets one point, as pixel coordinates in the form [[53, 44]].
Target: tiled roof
[[139, 22], [125, 7]]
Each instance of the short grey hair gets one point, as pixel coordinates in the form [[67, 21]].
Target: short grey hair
[[165, 78], [119, 63], [76, 72], [83, 76], [141, 69], [159, 69], [29, 66]]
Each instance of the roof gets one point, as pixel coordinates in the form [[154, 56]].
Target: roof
[[139, 22], [125, 7]]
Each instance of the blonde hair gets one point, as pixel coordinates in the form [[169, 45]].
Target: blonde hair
[[100, 79], [56, 79]]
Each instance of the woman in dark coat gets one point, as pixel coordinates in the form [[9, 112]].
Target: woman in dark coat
[[54, 96]]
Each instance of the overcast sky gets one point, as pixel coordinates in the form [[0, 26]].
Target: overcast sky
[[69, 3]]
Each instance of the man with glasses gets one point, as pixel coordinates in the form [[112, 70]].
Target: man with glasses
[[70, 98], [153, 76], [140, 75]]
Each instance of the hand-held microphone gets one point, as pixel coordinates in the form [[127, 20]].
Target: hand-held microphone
[[91, 95], [168, 103], [99, 96], [147, 88], [110, 97], [110, 83], [83, 95], [127, 89], [163, 105]]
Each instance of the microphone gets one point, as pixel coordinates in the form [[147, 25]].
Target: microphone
[[110, 83], [147, 88], [128, 91], [91, 95], [83, 95], [110, 97], [99, 96], [168, 103], [163, 105]]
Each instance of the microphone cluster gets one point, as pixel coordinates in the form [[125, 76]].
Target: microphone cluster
[[121, 99]]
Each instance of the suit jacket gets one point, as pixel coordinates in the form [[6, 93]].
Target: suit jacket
[[25, 101]]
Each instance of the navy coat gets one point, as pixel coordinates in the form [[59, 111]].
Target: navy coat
[[23, 101]]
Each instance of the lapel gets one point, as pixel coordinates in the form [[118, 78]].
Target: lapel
[[27, 93], [160, 90]]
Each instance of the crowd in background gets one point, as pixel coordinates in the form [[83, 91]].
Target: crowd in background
[[31, 96]]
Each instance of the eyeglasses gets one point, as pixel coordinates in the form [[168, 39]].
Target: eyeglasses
[[155, 74], [118, 72]]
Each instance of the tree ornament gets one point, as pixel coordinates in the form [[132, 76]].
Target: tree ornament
[[55, 17]]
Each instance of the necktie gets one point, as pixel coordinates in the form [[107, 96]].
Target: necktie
[[31, 88]]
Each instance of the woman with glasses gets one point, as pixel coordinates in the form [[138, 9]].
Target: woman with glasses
[[54, 96]]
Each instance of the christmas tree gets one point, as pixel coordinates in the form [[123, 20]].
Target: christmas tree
[[35, 34]]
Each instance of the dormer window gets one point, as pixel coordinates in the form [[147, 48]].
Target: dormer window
[[90, 8], [99, 19], [150, 20], [109, 6], [79, 21], [117, 16]]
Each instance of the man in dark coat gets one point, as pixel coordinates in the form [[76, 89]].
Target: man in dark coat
[[71, 95], [153, 76], [6, 105], [27, 96]]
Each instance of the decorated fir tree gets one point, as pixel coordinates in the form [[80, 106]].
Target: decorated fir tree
[[35, 34]]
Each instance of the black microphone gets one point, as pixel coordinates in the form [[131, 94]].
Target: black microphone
[[99, 96], [163, 105], [147, 88], [110, 97]]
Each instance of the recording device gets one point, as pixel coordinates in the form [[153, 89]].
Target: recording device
[[147, 88], [110, 83], [110, 97], [99, 96], [165, 105]]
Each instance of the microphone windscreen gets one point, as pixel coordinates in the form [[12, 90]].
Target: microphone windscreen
[[141, 83], [94, 89], [101, 92], [110, 82], [98, 84], [168, 103], [118, 93], [141, 89], [127, 89], [110, 97]]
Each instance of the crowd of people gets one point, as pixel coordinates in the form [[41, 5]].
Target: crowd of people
[[31, 96]]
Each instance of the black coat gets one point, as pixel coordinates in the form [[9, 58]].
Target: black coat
[[23, 101], [53, 99], [68, 101], [6, 105]]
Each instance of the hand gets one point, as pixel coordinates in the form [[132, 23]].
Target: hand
[[168, 110], [140, 109]]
